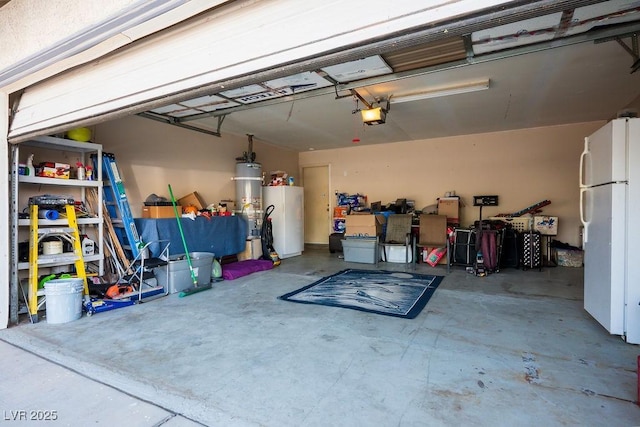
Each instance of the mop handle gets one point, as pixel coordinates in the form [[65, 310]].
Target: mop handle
[[184, 242]]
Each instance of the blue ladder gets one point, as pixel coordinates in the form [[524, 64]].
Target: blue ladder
[[117, 205]]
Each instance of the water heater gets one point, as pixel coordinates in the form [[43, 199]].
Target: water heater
[[249, 195]]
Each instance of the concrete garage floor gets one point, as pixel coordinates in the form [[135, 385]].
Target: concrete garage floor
[[513, 348]]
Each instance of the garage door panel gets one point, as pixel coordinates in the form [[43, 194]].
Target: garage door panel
[[238, 39]]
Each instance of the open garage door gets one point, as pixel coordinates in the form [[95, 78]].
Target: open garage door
[[234, 45]]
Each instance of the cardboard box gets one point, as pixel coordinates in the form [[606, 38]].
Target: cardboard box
[[364, 225], [450, 207], [54, 170], [192, 199], [547, 225], [160, 211]]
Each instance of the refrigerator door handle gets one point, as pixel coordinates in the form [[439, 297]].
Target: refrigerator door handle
[[583, 156], [585, 223]]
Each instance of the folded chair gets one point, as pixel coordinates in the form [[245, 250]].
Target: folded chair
[[398, 234], [433, 235]]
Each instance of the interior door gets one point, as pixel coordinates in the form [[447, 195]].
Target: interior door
[[317, 217]]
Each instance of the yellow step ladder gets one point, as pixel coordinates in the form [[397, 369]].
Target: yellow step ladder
[[68, 232]]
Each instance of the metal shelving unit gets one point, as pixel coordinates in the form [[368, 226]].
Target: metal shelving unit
[[83, 150]]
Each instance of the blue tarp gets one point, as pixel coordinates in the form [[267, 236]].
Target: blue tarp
[[221, 235]]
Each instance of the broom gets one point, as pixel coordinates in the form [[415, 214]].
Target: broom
[[196, 288]]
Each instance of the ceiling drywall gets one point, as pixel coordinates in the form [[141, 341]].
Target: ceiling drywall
[[564, 67], [568, 85]]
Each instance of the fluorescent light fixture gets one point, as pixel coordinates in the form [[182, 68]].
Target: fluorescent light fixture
[[374, 116], [442, 91]]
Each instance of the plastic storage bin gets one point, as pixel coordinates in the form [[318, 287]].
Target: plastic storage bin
[[63, 300], [179, 274], [364, 250], [518, 223], [396, 254]]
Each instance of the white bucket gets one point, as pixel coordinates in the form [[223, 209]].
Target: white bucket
[[63, 300]]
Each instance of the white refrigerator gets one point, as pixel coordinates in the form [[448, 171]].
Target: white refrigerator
[[610, 213], [287, 218]]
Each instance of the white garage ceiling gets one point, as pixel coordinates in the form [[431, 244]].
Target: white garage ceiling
[[563, 67]]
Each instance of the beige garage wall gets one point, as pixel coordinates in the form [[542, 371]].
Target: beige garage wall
[[522, 167], [151, 155]]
